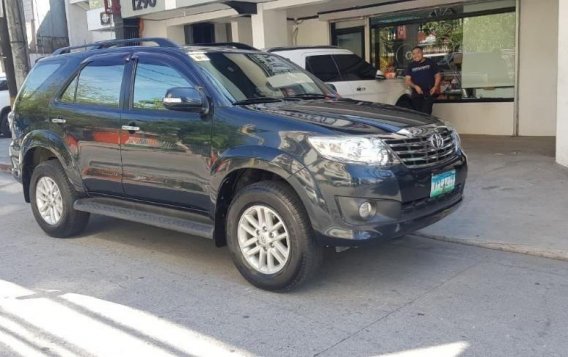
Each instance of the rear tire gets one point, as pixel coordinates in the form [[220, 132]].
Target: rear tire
[[281, 234], [4, 126], [52, 197]]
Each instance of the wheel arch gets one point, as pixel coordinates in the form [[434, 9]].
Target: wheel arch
[[40, 146], [404, 101], [235, 171]]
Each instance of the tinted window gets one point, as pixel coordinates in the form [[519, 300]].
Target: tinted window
[[323, 67], [99, 84], [69, 94], [257, 75], [151, 83], [354, 68], [3, 84], [39, 74]]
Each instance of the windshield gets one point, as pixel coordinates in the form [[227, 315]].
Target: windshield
[[258, 76]]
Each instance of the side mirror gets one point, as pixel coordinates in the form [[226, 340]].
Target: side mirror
[[332, 87], [380, 75], [185, 100]]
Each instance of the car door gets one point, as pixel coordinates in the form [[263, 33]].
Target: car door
[[324, 67], [165, 153], [87, 115], [361, 77]]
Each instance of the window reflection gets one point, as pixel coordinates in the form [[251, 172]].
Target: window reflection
[[474, 47], [99, 84], [152, 82]]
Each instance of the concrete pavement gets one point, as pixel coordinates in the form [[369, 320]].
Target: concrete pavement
[[4, 158], [128, 289], [516, 198]]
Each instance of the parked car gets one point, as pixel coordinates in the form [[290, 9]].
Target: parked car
[[241, 147], [4, 106], [348, 73]]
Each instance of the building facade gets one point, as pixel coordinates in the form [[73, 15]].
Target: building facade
[[88, 22], [503, 60]]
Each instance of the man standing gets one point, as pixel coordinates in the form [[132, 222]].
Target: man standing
[[424, 77]]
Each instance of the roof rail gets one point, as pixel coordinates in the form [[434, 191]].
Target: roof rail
[[161, 42], [237, 45], [290, 48]]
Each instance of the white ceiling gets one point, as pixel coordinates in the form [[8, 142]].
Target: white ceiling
[[331, 5]]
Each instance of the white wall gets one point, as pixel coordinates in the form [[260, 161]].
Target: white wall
[[153, 28], [102, 35], [269, 28], [94, 20], [221, 32], [79, 34], [176, 34], [478, 118], [312, 32], [538, 67], [241, 30], [562, 103]]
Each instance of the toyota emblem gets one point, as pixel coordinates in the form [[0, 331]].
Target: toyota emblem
[[436, 141]]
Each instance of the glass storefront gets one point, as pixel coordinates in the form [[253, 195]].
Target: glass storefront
[[473, 44]]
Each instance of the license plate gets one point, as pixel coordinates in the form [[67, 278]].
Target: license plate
[[443, 183]]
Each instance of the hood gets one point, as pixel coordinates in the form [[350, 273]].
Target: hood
[[348, 116]]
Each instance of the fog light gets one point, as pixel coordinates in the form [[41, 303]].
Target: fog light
[[366, 210]]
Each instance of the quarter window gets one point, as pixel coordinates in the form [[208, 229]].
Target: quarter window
[[152, 82], [39, 74]]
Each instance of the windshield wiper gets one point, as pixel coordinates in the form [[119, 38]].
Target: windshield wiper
[[309, 96], [258, 100]]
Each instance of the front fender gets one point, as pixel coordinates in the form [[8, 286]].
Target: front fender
[[277, 162]]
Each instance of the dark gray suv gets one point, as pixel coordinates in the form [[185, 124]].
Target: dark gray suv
[[239, 146]]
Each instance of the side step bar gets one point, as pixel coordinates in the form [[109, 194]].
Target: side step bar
[[162, 217]]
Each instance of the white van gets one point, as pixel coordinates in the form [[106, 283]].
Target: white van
[[349, 74]]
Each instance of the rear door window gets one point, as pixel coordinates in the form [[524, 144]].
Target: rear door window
[[99, 84], [354, 68], [323, 67]]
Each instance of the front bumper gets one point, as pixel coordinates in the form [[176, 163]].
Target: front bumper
[[401, 197]]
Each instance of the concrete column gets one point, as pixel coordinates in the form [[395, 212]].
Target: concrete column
[[241, 30], [562, 93], [269, 28], [176, 34], [221, 32]]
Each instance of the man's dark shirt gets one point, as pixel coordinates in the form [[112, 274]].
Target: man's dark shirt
[[422, 74]]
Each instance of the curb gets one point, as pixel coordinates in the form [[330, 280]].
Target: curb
[[505, 247], [5, 168]]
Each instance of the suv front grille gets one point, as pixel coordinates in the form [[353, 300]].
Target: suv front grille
[[419, 152]]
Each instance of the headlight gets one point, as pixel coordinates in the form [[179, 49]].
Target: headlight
[[353, 149], [456, 138]]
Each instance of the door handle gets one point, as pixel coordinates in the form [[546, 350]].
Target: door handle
[[360, 89], [58, 121], [130, 128]]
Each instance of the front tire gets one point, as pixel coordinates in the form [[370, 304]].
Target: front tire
[[52, 197], [270, 237]]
